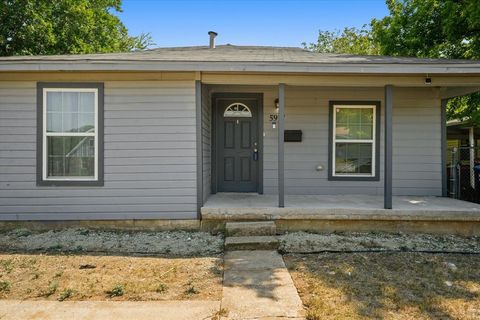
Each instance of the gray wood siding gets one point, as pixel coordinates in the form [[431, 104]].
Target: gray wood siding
[[416, 135], [150, 160], [417, 145], [206, 141]]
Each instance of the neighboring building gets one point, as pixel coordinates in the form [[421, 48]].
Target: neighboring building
[[152, 134], [463, 154], [462, 133]]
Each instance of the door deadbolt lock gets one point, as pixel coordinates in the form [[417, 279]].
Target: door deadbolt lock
[[255, 151], [255, 154]]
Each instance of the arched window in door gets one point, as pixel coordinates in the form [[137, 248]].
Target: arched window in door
[[237, 110]]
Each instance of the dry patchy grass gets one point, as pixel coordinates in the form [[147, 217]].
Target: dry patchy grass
[[387, 285], [84, 277]]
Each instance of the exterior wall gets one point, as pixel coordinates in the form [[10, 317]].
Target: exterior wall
[[150, 156], [417, 145], [150, 149], [416, 134], [206, 141]]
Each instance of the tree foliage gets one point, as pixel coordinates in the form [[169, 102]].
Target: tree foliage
[[429, 28], [418, 28], [34, 27], [434, 29], [348, 41]]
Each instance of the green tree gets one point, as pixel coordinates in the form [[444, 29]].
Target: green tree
[[430, 29], [348, 41], [433, 29], [418, 28], [34, 27]]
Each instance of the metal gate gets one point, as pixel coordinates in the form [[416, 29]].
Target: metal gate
[[463, 172]]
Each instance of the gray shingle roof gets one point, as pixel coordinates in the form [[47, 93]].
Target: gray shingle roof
[[228, 58], [232, 53]]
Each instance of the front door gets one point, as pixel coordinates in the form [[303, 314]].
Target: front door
[[237, 142]]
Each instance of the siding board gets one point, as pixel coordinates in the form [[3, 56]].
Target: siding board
[[149, 156], [206, 141], [416, 135]]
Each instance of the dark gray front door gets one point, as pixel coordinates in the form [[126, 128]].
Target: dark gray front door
[[237, 143]]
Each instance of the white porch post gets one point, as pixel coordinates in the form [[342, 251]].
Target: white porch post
[[387, 193], [281, 147]]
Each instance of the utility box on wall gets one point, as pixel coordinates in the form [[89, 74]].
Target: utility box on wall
[[293, 136]]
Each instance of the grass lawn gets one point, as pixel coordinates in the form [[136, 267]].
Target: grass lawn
[[89, 277], [387, 285]]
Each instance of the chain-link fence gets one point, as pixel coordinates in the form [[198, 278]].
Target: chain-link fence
[[463, 173]]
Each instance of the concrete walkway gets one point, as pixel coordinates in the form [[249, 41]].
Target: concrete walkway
[[257, 285], [103, 310]]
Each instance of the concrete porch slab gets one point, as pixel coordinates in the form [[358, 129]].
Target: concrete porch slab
[[345, 213], [244, 206]]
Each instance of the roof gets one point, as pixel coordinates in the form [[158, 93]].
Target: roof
[[237, 58], [466, 122]]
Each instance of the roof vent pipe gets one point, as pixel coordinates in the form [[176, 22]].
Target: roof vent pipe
[[212, 35]]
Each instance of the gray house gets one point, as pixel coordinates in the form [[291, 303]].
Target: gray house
[[212, 132]]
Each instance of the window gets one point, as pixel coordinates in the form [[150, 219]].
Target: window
[[70, 134], [237, 109], [354, 141]]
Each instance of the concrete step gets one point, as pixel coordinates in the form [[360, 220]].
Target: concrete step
[[253, 228], [251, 243]]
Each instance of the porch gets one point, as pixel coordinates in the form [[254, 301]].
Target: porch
[[281, 168], [347, 213], [320, 181]]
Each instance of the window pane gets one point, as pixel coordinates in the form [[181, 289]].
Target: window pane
[[354, 123], [70, 122], [54, 122], [87, 102], [54, 101], [353, 158], [86, 122], [70, 101], [70, 112], [71, 156]]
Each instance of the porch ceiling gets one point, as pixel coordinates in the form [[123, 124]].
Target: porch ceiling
[[449, 85]]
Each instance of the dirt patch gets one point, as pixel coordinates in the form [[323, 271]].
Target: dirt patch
[[83, 277], [171, 243], [387, 285], [302, 242]]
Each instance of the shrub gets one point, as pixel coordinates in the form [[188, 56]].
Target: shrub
[[65, 294], [162, 287], [4, 286], [117, 291]]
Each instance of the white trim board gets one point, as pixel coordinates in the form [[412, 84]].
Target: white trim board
[[46, 134]]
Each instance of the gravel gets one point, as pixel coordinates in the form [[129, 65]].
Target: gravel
[[175, 243], [183, 243], [302, 242]]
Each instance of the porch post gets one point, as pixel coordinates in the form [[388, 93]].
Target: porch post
[[198, 132], [471, 144], [281, 147], [443, 117], [387, 193]]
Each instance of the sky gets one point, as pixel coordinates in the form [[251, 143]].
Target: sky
[[249, 22]]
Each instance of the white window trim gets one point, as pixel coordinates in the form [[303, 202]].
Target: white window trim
[[372, 141], [46, 134]]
